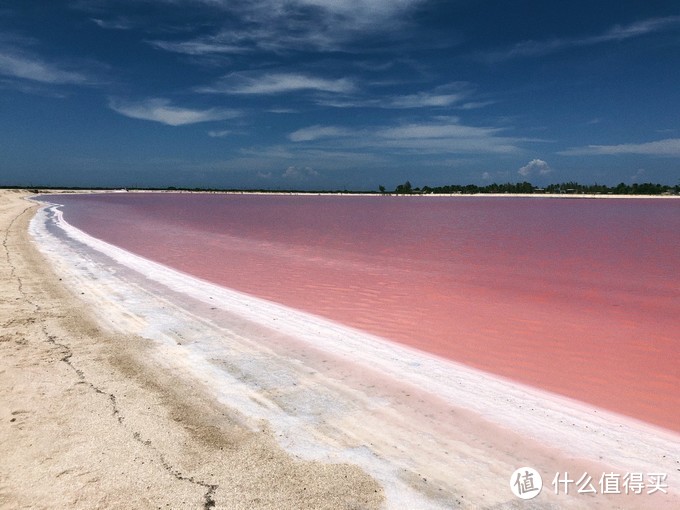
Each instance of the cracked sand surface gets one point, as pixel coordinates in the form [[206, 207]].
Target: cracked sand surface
[[86, 423]]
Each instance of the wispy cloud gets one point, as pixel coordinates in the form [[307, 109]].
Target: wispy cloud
[[440, 135], [451, 95], [345, 9], [160, 110], [445, 95], [615, 33], [113, 24], [618, 32], [282, 25], [19, 64], [359, 9], [219, 134], [311, 133], [198, 48], [475, 105], [277, 83], [668, 147], [299, 173], [448, 127], [267, 159]]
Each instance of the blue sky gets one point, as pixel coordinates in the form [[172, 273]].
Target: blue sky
[[338, 94]]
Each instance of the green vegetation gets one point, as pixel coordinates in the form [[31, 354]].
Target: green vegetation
[[404, 188], [646, 188], [407, 188]]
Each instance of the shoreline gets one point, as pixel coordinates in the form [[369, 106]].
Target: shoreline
[[88, 421], [269, 377], [363, 194], [474, 311], [338, 339]]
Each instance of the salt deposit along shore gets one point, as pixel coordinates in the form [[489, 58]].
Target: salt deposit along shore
[[127, 384]]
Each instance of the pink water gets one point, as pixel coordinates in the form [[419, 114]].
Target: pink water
[[579, 297]]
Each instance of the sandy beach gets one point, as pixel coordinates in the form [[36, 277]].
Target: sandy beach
[[124, 384], [87, 422]]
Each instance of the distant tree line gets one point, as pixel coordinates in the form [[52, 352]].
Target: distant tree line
[[646, 188]]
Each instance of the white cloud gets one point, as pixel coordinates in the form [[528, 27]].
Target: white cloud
[[281, 25], [196, 48], [20, 65], [160, 110], [316, 132], [360, 9], [219, 134], [474, 105], [356, 10], [668, 147], [424, 100], [444, 95], [441, 135], [451, 95], [277, 83], [294, 172], [448, 129], [350, 102], [114, 24], [282, 110], [533, 167], [321, 159], [616, 33]]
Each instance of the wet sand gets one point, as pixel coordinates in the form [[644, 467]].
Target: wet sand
[[134, 386]]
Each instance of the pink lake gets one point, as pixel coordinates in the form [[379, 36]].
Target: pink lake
[[575, 296]]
